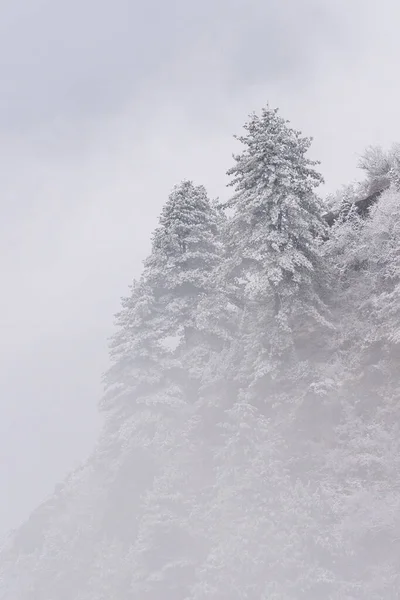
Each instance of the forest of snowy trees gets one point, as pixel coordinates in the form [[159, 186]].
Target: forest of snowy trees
[[251, 440]]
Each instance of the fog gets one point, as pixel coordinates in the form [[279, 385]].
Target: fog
[[104, 107]]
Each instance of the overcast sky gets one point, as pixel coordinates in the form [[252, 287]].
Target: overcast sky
[[104, 106]]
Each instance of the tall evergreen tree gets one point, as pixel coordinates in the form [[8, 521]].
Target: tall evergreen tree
[[179, 276], [273, 272], [158, 351], [274, 259], [159, 316], [277, 272]]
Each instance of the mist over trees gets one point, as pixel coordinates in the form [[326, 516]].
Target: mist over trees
[[251, 439]]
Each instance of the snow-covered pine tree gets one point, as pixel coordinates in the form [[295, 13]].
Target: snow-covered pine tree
[[273, 273], [169, 351], [276, 268], [274, 265], [149, 389], [159, 316]]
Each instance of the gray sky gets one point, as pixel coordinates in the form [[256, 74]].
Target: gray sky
[[104, 107]]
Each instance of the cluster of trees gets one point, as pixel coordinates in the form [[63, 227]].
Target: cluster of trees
[[251, 447]]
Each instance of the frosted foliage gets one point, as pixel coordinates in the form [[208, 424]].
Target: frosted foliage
[[159, 317], [345, 196], [382, 167], [276, 220], [251, 439], [274, 268], [375, 162]]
